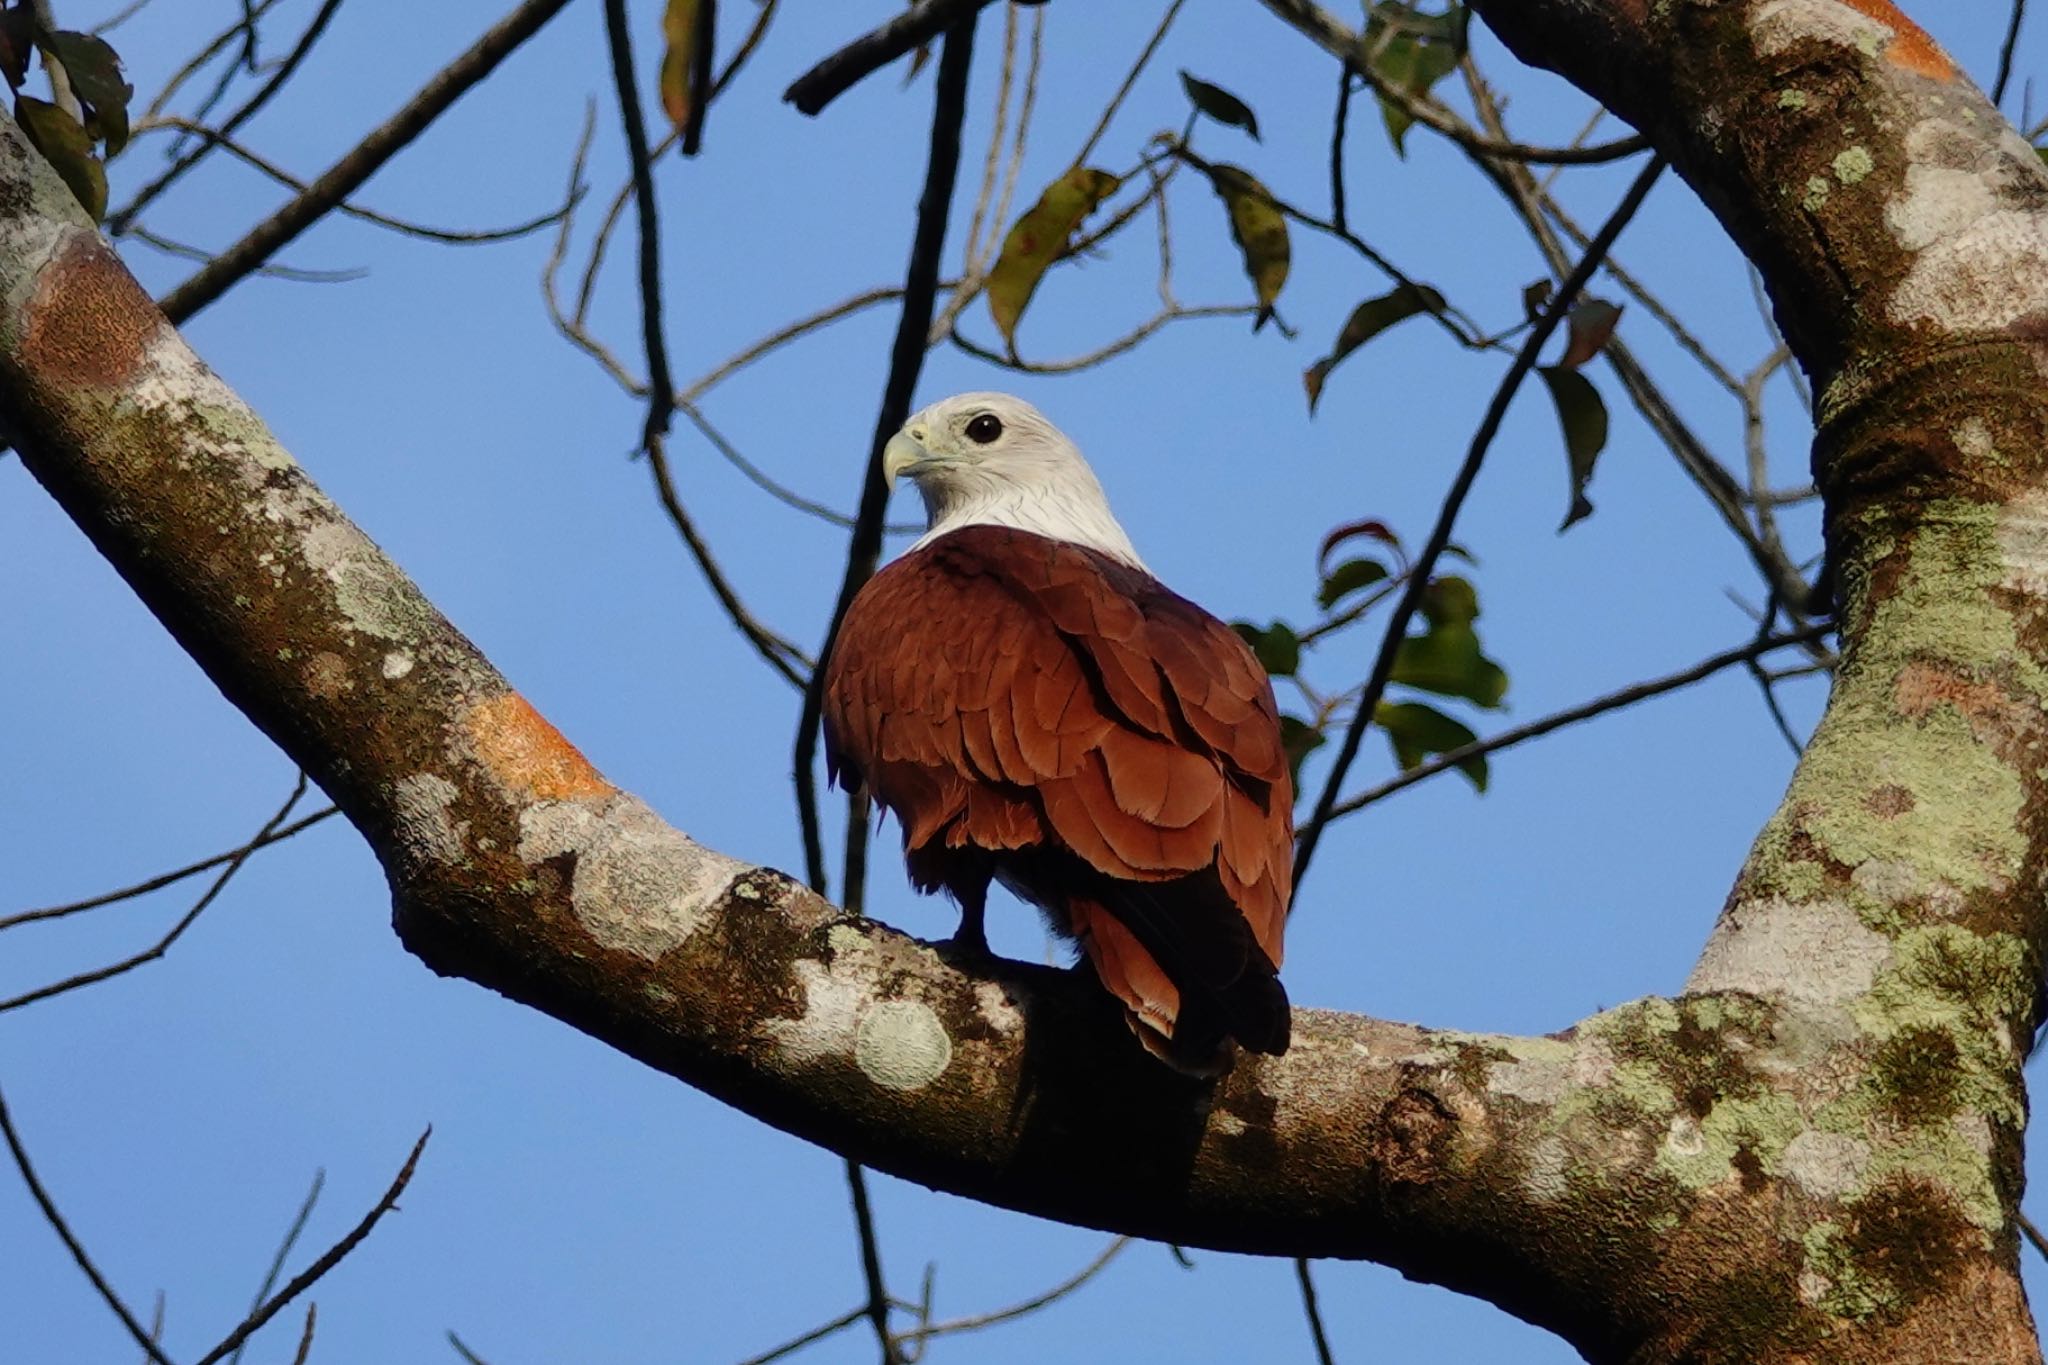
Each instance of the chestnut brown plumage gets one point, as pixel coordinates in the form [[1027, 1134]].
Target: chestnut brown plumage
[[1035, 708]]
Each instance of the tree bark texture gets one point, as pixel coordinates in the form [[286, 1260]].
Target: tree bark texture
[[1813, 1154]]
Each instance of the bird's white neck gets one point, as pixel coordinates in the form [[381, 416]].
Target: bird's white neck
[[1057, 510]]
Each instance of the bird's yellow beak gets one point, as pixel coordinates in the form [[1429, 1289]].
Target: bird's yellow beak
[[902, 455]]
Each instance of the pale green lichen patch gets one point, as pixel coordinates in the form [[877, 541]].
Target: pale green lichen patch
[[1738, 1139], [1853, 164], [1838, 1283], [1816, 196], [1937, 1014], [1791, 99]]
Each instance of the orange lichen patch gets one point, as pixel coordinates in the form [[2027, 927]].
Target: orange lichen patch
[[88, 320], [529, 755], [1910, 48]]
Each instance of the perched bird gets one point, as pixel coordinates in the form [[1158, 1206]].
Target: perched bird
[[1037, 709]]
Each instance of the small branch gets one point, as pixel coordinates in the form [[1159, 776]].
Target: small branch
[[187, 252], [284, 1251], [906, 362], [1418, 582], [312, 1273], [283, 177], [661, 396], [2005, 51], [840, 72], [118, 221], [787, 1348], [1312, 1312], [57, 1224], [1338, 127], [1612, 701], [268, 834], [975, 1322], [162, 880], [347, 175], [877, 1307], [1343, 43], [1123, 91]]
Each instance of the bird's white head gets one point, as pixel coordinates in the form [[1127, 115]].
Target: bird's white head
[[990, 459]]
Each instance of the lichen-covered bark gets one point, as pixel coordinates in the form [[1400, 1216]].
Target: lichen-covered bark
[[1812, 1155]]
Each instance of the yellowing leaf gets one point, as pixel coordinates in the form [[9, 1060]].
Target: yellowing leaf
[[64, 144], [1584, 419], [1220, 104], [686, 66], [1260, 231], [1037, 240], [1367, 321]]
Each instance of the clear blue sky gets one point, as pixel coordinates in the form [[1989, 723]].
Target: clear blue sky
[[576, 1206]]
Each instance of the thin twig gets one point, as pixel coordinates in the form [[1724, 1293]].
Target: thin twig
[[977, 1321], [187, 252], [306, 1278], [2005, 51], [163, 945], [1572, 715], [1419, 579], [2033, 1234], [452, 237], [1123, 91], [795, 1344], [1313, 1312], [1338, 126], [284, 1251], [906, 362], [118, 222], [877, 1307], [1342, 42], [661, 388], [71, 1242], [1109, 350], [162, 880], [347, 175], [305, 1338]]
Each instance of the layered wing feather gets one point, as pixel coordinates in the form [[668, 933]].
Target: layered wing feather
[[1033, 708]]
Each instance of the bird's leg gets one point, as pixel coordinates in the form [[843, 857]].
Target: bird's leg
[[970, 941]]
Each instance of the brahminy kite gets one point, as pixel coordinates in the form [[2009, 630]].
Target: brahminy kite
[[1037, 709]]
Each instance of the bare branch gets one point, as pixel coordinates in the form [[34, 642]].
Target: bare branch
[[162, 880], [347, 175], [1598, 706], [268, 834], [787, 1348], [1419, 578], [146, 1340], [1123, 91], [877, 1307], [311, 1275], [840, 72], [975, 1322], [284, 1251], [1312, 1312], [661, 395]]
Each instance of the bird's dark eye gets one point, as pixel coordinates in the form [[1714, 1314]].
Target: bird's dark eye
[[984, 429]]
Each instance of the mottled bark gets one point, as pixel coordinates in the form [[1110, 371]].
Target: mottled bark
[[1813, 1155]]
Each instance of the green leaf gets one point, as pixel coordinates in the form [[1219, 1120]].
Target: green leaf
[[678, 58], [1299, 739], [1347, 578], [1591, 322], [1446, 659], [1277, 646], [95, 71], [1037, 240], [1450, 601], [1220, 104], [1417, 731], [64, 144], [1258, 228], [1584, 419], [1411, 51], [1367, 321]]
